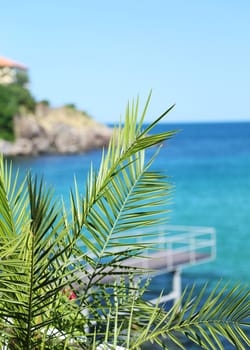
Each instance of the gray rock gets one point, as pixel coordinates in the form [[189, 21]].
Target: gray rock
[[19, 147], [41, 145], [27, 127], [60, 131]]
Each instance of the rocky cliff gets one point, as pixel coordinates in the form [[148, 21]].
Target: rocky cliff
[[60, 130]]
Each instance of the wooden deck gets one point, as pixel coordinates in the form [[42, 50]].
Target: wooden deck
[[168, 260], [158, 263]]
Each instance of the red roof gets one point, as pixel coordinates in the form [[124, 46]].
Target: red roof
[[5, 62]]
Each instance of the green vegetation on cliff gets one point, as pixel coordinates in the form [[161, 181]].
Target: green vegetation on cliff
[[12, 98]]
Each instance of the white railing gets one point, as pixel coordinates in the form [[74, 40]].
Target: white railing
[[181, 245], [178, 245]]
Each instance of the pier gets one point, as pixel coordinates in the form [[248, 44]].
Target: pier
[[170, 250], [178, 247]]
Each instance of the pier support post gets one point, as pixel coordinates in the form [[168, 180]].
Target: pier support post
[[175, 294], [176, 285]]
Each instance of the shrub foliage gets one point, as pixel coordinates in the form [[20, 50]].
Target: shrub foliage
[[12, 97]]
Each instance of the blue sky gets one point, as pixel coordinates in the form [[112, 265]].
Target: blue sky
[[99, 54]]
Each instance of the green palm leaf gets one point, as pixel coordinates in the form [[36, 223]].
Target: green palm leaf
[[13, 203], [117, 198], [205, 324], [33, 268]]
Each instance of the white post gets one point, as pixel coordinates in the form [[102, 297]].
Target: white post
[[177, 284]]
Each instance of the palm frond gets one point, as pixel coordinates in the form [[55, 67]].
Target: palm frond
[[33, 264], [224, 316], [117, 199], [13, 203]]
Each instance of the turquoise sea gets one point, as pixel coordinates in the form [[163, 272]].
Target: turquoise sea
[[209, 166]]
